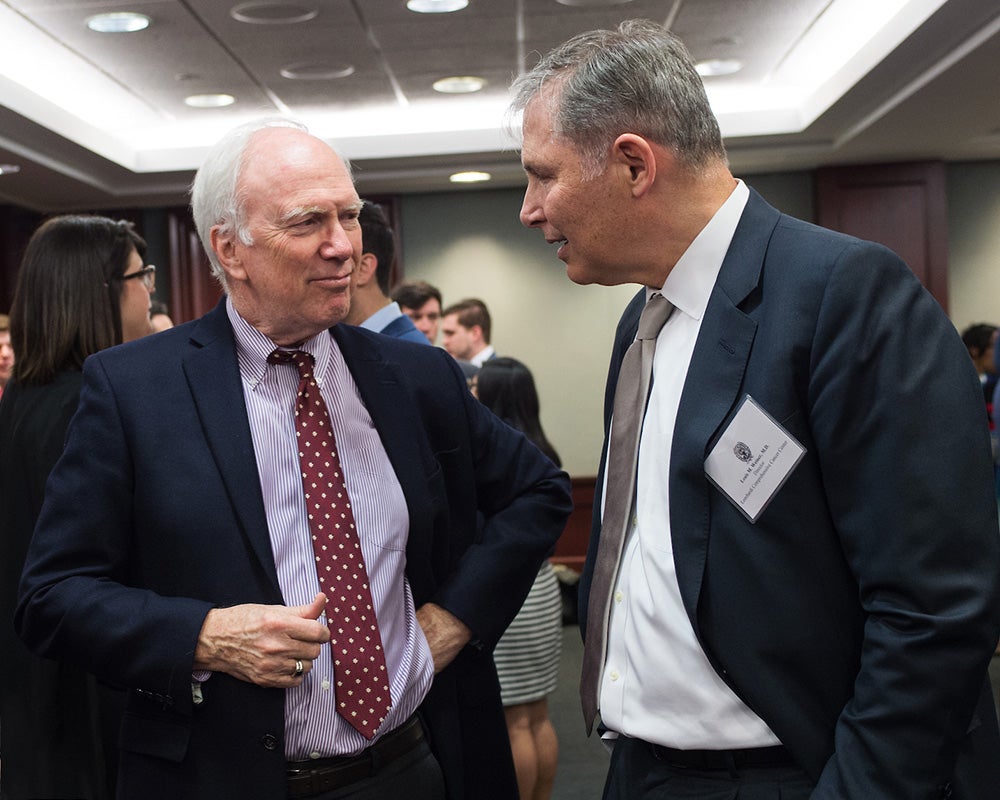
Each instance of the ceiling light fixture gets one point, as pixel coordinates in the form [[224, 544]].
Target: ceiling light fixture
[[316, 71], [436, 6], [592, 3], [459, 84], [118, 22], [209, 100], [715, 67], [9, 169], [470, 177], [272, 13]]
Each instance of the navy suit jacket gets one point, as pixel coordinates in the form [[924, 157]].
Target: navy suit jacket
[[858, 614], [402, 327], [154, 515]]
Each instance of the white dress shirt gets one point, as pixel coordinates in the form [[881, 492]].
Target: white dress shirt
[[657, 683]]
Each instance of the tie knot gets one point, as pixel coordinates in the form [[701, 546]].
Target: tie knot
[[653, 316], [300, 358]]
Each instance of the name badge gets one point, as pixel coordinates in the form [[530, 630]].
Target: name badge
[[752, 459]]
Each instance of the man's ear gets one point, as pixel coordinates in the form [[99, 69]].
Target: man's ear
[[638, 160], [366, 269], [226, 251]]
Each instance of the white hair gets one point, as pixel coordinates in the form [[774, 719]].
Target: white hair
[[215, 200]]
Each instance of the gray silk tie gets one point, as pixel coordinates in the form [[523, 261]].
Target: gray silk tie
[[631, 395]]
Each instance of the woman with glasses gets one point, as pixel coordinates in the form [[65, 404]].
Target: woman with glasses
[[81, 287], [527, 655]]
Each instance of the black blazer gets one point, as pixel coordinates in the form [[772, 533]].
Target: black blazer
[[52, 714], [858, 615], [154, 515]]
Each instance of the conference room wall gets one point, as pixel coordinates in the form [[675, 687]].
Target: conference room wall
[[471, 244]]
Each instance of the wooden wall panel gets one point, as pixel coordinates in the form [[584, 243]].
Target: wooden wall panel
[[902, 206]]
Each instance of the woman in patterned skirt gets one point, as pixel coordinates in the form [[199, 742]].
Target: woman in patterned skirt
[[527, 655]]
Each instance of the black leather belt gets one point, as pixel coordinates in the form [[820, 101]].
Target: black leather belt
[[723, 759], [307, 778]]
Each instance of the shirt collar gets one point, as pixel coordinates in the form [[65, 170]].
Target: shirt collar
[[253, 348], [689, 284]]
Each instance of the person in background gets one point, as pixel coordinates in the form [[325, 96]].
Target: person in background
[[271, 498], [6, 352], [980, 340], [793, 583], [421, 302], [371, 307], [159, 316], [81, 288], [527, 655], [465, 331]]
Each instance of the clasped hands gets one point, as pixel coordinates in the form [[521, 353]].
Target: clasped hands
[[263, 644]]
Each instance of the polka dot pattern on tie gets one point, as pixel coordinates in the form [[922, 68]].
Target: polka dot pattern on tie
[[361, 680]]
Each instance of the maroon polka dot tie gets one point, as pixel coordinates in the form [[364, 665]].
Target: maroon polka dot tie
[[362, 683]]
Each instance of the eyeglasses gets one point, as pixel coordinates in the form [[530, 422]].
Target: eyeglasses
[[147, 275]]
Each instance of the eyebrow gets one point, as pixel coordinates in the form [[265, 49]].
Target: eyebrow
[[305, 211]]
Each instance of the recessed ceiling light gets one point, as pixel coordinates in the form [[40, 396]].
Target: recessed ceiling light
[[9, 169], [714, 67], [470, 177], [118, 22], [593, 2], [316, 71], [436, 6], [209, 100], [272, 13], [459, 84]]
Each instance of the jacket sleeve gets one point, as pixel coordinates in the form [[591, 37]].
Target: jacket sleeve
[[896, 415]]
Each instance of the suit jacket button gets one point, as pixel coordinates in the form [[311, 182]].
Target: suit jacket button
[[270, 741]]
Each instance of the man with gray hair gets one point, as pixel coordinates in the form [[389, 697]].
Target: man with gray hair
[[793, 583], [294, 542]]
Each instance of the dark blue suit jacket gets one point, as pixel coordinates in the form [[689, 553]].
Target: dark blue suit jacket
[[154, 515], [403, 328], [857, 616]]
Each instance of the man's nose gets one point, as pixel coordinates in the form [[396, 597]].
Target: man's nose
[[531, 211]]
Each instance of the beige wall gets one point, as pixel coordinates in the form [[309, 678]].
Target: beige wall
[[471, 244], [974, 243]]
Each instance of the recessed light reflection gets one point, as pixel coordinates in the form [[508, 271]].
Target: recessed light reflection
[[436, 6], [470, 177], [209, 100], [9, 169], [459, 84], [118, 22], [714, 67]]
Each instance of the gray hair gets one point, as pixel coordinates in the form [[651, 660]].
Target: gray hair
[[638, 79], [215, 199]]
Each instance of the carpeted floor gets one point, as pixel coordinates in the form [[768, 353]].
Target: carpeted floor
[[583, 762]]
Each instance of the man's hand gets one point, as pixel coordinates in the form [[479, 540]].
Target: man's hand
[[262, 644], [446, 634]]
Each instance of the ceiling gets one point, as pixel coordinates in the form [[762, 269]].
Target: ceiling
[[100, 121]]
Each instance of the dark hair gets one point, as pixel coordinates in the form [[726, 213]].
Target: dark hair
[[978, 337], [506, 387], [67, 303], [471, 311], [377, 239], [415, 293]]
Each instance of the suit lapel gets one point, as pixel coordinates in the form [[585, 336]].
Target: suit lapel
[[213, 377], [711, 392]]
